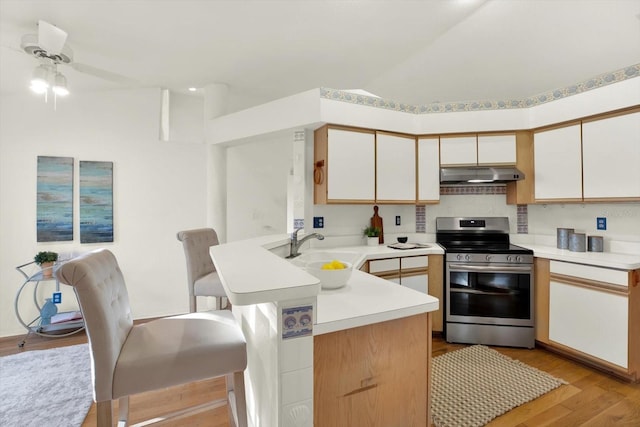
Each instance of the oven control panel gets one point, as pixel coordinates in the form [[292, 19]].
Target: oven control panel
[[490, 258]]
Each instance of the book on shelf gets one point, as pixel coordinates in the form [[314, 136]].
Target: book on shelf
[[67, 316]]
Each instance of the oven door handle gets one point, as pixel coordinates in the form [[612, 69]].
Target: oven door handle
[[489, 268]]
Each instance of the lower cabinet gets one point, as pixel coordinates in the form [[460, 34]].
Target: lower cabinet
[[591, 313], [375, 375], [423, 273]]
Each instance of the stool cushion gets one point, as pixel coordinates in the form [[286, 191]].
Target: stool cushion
[[209, 285], [179, 349]]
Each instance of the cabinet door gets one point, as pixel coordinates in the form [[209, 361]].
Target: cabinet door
[[558, 164], [350, 165], [458, 150], [374, 375], [413, 273], [428, 169], [497, 149], [611, 157], [591, 321], [395, 168]]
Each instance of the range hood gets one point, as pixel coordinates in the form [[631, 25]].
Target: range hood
[[479, 175]]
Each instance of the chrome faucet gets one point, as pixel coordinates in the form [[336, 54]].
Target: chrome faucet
[[295, 243]]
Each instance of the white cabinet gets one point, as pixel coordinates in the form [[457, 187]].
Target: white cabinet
[[558, 164], [428, 169], [411, 272], [611, 157], [497, 149], [591, 321], [478, 150], [395, 168], [590, 313], [458, 150], [344, 165]]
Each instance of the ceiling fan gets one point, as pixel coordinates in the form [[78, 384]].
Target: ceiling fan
[[50, 48]]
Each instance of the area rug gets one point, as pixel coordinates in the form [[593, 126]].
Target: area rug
[[46, 388], [476, 384]]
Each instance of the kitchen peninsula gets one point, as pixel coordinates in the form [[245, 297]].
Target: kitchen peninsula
[[316, 356]]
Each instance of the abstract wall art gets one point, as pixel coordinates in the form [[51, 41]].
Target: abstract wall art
[[96, 202], [54, 212]]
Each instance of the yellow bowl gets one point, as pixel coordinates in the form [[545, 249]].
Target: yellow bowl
[[330, 279]]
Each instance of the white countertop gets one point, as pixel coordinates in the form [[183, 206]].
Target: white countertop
[[251, 274], [368, 299], [601, 259]]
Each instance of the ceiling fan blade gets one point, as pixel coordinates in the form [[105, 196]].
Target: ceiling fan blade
[[51, 38], [105, 75]]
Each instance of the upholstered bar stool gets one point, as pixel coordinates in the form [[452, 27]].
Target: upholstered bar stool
[[129, 359], [202, 277]]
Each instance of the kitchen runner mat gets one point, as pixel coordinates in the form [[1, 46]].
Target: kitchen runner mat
[[476, 384]]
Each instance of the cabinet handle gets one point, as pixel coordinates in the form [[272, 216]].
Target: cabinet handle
[[318, 172]]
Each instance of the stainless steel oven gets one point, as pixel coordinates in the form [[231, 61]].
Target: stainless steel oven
[[489, 285]]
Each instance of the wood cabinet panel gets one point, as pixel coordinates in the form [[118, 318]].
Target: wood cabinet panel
[[436, 289], [428, 169], [395, 168], [611, 157], [558, 164], [375, 375]]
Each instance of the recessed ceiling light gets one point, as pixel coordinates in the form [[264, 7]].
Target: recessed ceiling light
[[193, 89]]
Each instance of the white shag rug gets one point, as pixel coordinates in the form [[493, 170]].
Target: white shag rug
[[46, 388], [476, 384]]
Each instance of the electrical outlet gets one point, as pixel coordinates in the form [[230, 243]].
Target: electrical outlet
[[57, 297], [601, 223], [318, 222], [397, 219]]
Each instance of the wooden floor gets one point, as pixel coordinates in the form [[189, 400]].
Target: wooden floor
[[591, 398]]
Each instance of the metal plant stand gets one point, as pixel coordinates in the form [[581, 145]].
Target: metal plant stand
[[51, 330]]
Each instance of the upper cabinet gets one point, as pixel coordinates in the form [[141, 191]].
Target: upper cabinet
[[499, 149], [395, 168], [344, 165], [428, 169], [459, 150], [611, 157], [593, 160], [478, 149], [558, 164]]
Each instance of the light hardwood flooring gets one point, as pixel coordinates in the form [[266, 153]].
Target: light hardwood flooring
[[591, 398]]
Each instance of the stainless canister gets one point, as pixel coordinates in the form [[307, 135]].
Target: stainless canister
[[563, 237], [595, 243], [577, 242]]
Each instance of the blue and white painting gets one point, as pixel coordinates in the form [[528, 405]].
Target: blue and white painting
[[54, 199], [96, 202]]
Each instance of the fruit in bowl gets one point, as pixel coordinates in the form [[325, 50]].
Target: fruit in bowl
[[332, 274]]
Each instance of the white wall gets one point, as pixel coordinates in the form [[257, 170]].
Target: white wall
[[159, 188], [623, 222], [257, 179]]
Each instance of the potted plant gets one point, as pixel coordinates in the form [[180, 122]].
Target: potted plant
[[45, 260], [372, 235]]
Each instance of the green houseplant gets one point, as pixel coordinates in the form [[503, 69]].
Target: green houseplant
[[372, 235], [45, 260], [372, 231]]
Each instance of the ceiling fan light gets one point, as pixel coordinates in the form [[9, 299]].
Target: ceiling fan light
[[39, 80], [60, 85], [39, 86]]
